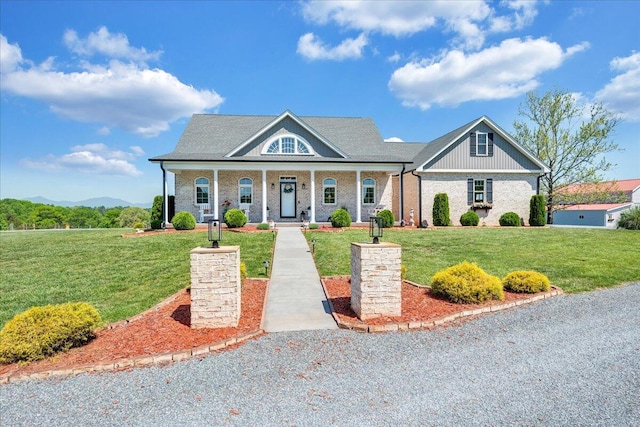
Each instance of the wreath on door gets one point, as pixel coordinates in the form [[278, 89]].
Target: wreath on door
[[288, 188]]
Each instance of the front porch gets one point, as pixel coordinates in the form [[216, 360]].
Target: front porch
[[283, 195]]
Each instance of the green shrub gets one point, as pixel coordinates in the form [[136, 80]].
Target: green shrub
[[235, 218], [340, 218], [630, 219], [403, 272], [43, 331], [243, 271], [263, 226], [313, 226], [510, 219], [537, 211], [387, 218], [156, 213], [184, 221], [469, 218], [526, 281], [441, 210], [466, 283]]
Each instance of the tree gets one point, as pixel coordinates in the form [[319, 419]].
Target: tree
[[441, 210], [570, 137], [111, 218], [83, 217], [131, 216]]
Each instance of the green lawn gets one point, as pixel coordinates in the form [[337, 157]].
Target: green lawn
[[574, 259], [119, 276]]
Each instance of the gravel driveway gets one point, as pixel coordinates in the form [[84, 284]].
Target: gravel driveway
[[572, 360]]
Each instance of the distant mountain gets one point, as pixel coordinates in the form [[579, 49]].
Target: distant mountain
[[107, 202]]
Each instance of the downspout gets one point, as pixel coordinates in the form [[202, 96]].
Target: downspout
[[419, 198], [165, 199], [401, 181]]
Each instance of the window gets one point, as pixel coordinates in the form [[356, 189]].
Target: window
[[245, 191], [481, 144], [368, 191], [479, 191], [329, 191], [202, 191], [287, 144]]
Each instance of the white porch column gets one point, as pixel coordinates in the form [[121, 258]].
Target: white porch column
[[165, 200], [264, 195], [215, 194], [358, 197], [313, 196]]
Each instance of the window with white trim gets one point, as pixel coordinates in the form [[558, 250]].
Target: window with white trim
[[368, 191], [329, 187], [481, 144], [479, 191], [288, 145], [245, 191], [202, 191]]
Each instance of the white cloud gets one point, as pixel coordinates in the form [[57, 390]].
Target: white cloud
[[622, 93], [128, 96], [503, 71], [393, 139], [95, 159], [110, 45], [395, 57], [311, 47], [469, 21]]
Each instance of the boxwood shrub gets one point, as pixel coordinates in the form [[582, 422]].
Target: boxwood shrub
[[526, 282], [43, 331], [466, 283], [387, 218], [263, 226], [340, 218], [235, 218], [313, 226], [469, 218], [510, 219], [184, 221]]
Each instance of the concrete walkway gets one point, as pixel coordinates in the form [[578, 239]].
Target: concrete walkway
[[296, 301]]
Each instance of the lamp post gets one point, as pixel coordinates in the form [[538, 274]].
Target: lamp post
[[375, 228], [214, 232], [313, 246], [266, 267]]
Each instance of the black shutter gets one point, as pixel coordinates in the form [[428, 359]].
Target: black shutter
[[489, 190], [470, 191], [490, 143], [472, 138]]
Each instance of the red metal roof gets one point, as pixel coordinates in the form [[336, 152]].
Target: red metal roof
[[595, 207]]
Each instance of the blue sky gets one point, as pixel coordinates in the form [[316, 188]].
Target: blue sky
[[91, 90]]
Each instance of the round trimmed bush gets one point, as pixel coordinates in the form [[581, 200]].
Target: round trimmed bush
[[526, 281], [313, 226], [340, 218], [469, 218], [43, 331], [262, 226], [184, 221], [235, 218], [466, 283], [387, 218], [510, 219]]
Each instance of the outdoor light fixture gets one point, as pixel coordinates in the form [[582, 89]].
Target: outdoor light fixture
[[215, 232], [313, 246], [304, 186], [273, 186], [266, 267], [375, 228]]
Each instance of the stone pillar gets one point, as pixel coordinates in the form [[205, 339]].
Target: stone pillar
[[215, 287], [376, 283]]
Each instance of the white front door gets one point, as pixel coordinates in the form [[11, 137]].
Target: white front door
[[287, 199]]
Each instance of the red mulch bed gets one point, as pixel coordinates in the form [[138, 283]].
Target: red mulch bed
[[162, 330], [418, 303]]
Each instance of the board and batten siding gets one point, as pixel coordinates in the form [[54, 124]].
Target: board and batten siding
[[458, 155], [287, 126]]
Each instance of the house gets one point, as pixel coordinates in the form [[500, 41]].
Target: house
[[605, 202], [293, 168]]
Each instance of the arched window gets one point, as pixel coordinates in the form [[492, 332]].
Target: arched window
[[329, 191], [245, 191], [288, 145], [368, 191], [202, 191]]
